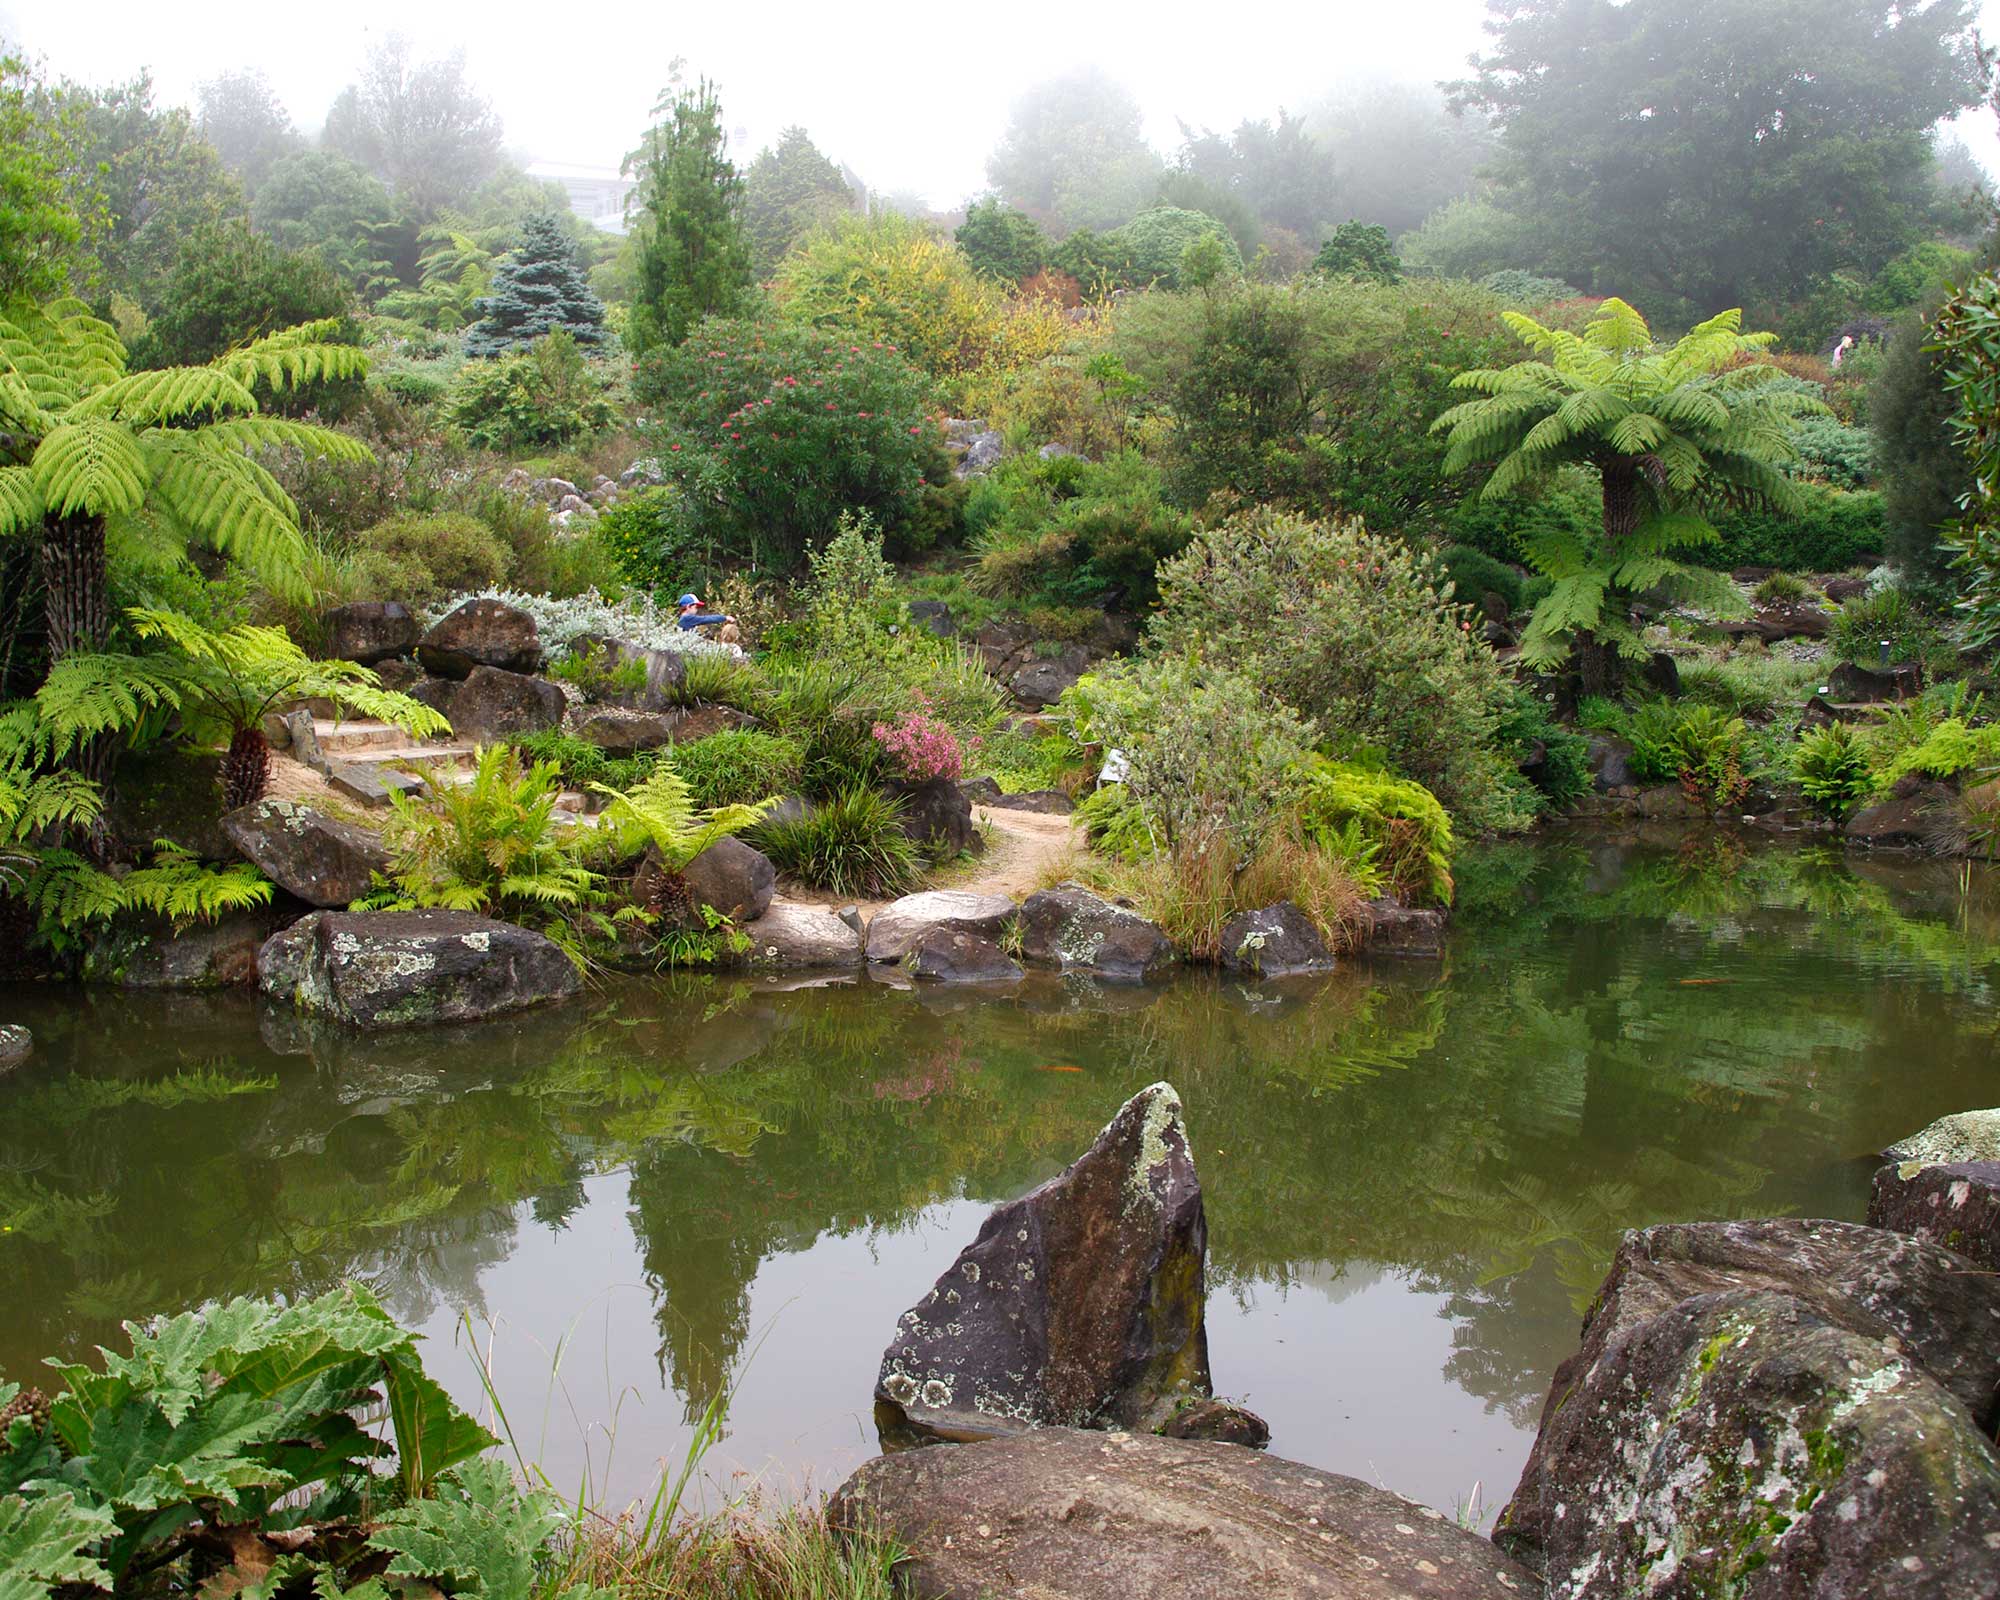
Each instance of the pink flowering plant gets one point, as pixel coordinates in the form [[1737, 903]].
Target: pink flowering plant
[[774, 431], [922, 745]]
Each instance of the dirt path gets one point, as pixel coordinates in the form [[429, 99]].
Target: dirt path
[[1021, 848]]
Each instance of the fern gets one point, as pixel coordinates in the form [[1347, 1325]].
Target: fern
[[179, 887], [661, 812]]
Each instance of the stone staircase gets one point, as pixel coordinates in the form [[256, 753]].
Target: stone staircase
[[367, 761]]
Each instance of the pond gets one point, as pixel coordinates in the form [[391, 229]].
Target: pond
[[1415, 1173]]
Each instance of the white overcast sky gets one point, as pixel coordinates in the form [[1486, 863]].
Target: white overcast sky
[[910, 93]]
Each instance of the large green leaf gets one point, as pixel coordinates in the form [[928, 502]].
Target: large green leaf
[[42, 1544]]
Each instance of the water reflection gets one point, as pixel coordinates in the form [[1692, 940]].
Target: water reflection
[[1414, 1174]]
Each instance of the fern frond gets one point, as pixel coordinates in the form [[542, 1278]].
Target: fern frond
[[294, 356], [89, 694], [93, 466], [20, 501], [233, 503], [178, 886], [265, 433], [170, 394]]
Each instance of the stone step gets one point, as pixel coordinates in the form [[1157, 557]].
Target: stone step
[[355, 733], [420, 755]]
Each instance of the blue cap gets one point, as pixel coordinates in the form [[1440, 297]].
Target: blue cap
[[688, 600]]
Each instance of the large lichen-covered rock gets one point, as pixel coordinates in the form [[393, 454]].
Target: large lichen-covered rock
[[948, 955], [320, 859], [896, 926], [387, 969], [481, 633], [1771, 1409], [492, 703], [1962, 1136], [150, 952], [1080, 1304], [1070, 928], [370, 631], [1060, 1514]]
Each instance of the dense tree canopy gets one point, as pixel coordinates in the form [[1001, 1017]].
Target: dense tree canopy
[[1276, 169], [1722, 152], [1002, 243], [1073, 155], [314, 199], [790, 189], [1398, 152], [248, 125], [418, 126], [47, 205], [229, 285]]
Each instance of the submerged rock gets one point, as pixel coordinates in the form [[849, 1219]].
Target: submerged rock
[[1275, 942], [1399, 930], [1224, 1421], [795, 938], [1070, 928], [1771, 1408], [896, 926], [949, 955], [1080, 1304], [1066, 1515], [387, 969], [16, 1045], [323, 861], [481, 633]]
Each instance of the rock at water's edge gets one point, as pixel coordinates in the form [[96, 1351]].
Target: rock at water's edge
[[896, 926], [949, 955], [1070, 928], [1962, 1136], [796, 938], [387, 969], [1955, 1204], [16, 1045], [1081, 1303], [1060, 1514], [1276, 942], [320, 859]]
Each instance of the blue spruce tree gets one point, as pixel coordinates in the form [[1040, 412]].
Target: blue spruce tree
[[536, 290]]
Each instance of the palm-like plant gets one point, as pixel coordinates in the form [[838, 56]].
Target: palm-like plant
[[661, 812], [1671, 432], [221, 682], [85, 444]]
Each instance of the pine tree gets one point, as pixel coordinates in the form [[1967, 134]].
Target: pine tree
[[789, 191], [693, 258], [536, 290]]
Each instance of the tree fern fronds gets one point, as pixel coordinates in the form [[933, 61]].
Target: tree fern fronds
[[170, 394], [293, 357], [91, 466], [20, 501], [64, 891], [226, 496], [88, 694], [31, 802], [178, 886], [265, 433]]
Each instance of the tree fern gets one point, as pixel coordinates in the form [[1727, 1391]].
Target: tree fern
[[661, 812], [1670, 432]]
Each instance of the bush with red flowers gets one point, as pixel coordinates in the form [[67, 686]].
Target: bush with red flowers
[[771, 432]]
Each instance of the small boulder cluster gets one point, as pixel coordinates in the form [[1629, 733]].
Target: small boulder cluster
[[571, 506]]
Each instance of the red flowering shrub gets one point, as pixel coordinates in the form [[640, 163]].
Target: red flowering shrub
[[922, 746], [771, 432]]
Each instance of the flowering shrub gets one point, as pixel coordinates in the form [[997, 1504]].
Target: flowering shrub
[[922, 746], [770, 432]]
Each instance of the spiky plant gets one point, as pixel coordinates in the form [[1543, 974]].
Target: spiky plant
[[1671, 433], [220, 682], [84, 444], [661, 812]]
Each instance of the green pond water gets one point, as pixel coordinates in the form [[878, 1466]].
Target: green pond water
[[1415, 1172]]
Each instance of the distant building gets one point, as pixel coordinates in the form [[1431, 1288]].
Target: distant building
[[596, 194]]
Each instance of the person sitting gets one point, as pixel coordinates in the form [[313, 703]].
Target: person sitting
[[692, 616]]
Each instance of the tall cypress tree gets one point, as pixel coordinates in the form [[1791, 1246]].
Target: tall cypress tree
[[535, 291], [693, 258]]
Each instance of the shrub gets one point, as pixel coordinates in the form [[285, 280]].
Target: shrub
[[1474, 574], [1527, 289], [1781, 588], [1833, 453], [1863, 623], [548, 395], [1506, 526], [1949, 748], [1833, 530], [635, 618], [1832, 769], [1705, 748], [1346, 628], [1563, 774], [921, 747], [737, 766], [420, 559], [1750, 685], [1150, 249], [828, 708], [850, 843], [1407, 832], [1115, 824], [770, 433], [581, 764], [1073, 533]]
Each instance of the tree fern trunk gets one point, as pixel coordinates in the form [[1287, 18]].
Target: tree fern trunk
[[76, 595], [1621, 498], [246, 769]]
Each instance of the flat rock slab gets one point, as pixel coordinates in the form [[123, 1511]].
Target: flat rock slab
[[1780, 1408], [390, 969], [1081, 1304], [1962, 1136], [1060, 1514], [797, 938], [370, 783], [896, 926], [322, 860]]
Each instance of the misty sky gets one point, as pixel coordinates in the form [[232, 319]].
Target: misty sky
[[911, 95]]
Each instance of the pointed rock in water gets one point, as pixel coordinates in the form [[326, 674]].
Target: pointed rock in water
[[16, 1045], [1080, 1304], [1059, 1514], [1943, 1184]]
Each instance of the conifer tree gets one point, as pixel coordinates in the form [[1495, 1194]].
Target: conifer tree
[[536, 290], [693, 258]]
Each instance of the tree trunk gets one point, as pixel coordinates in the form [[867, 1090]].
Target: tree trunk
[[77, 602], [78, 599], [246, 769], [1622, 504]]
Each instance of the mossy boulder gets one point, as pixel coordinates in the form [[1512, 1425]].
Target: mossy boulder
[[1943, 1184], [1771, 1409], [1082, 1303], [1073, 930]]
